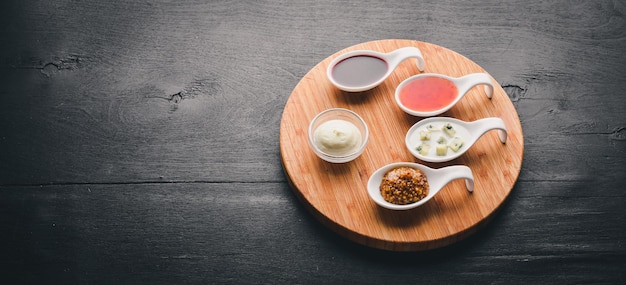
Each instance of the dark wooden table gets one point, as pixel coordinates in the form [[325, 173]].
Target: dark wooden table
[[139, 141]]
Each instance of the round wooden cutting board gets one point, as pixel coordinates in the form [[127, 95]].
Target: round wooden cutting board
[[336, 193]]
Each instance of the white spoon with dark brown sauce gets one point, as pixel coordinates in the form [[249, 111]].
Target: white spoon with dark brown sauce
[[361, 70]]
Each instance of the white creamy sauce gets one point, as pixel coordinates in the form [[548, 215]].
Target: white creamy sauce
[[337, 137]]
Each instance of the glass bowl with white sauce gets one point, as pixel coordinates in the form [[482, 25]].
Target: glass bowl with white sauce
[[338, 135]]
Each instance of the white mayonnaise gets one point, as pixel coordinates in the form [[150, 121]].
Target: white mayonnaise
[[337, 137]]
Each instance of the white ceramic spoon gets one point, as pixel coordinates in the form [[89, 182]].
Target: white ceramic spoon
[[437, 179], [390, 60], [467, 132], [463, 84]]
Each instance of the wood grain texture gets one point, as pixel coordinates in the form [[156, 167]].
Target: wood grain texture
[[337, 193], [169, 111]]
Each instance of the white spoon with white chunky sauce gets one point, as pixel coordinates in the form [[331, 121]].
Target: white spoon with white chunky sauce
[[441, 139]]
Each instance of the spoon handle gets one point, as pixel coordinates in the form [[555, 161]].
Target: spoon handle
[[480, 127], [397, 56], [454, 172], [465, 83]]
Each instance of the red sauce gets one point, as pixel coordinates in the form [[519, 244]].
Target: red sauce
[[428, 94]]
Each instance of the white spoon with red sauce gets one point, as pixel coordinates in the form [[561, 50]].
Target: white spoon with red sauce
[[430, 94], [362, 70]]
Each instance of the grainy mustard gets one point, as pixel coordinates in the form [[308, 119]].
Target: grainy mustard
[[404, 185]]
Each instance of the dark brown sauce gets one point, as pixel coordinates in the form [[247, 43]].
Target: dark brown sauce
[[360, 70]]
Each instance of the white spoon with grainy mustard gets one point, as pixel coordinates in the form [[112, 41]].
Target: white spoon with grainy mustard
[[406, 185]]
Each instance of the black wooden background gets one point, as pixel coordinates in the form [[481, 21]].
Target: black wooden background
[[139, 141]]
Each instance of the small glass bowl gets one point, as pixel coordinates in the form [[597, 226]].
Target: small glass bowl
[[338, 114]]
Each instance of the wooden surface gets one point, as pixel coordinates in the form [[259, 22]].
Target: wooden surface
[[139, 141], [337, 194]]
